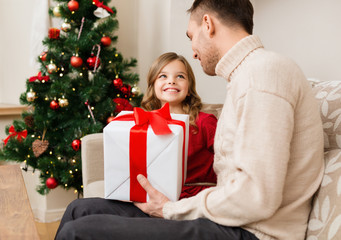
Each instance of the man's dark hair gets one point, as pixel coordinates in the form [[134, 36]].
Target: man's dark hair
[[230, 12]]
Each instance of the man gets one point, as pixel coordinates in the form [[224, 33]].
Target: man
[[268, 148]]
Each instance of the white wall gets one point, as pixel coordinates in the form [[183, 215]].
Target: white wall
[[127, 33], [2, 50], [306, 30], [153, 34], [15, 26]]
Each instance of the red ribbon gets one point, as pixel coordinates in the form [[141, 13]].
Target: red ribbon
[[13, 133], [39, 77], [159, 120], [100, 4]]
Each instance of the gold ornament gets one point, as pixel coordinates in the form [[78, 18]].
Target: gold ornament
[[63, 102], [56, 11], [51, 67], [135, 90], [30, 96], [66, 26]]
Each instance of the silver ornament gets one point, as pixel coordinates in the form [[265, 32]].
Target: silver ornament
[[135, 90], [30, 96], [66, 27]]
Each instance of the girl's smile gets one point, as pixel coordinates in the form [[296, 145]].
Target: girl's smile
[[169, 89]]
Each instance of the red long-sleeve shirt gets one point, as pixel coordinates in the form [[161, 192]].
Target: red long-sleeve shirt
[[200, 155]]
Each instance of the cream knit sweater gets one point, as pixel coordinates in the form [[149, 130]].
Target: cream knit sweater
[[268, 145]]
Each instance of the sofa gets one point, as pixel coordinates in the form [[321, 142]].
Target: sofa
[[325, 218]]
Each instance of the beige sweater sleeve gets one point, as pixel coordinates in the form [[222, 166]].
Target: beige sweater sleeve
[[250, 188]]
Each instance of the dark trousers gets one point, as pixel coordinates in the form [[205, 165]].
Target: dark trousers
[[97, 218]]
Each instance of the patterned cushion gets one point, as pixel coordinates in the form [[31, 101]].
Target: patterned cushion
[[325, 218], [329, 96]]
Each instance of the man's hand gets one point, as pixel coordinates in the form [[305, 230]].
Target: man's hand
[[156, 199]]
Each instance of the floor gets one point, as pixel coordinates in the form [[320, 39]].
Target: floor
[[47, 231]]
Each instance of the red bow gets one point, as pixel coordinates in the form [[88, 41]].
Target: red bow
[[13, 133], [157, 119], [100, 4], [39, 77]]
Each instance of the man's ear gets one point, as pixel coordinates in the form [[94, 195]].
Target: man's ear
[[208, 24]]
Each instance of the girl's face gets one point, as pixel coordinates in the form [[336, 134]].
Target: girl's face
[[171, 85]]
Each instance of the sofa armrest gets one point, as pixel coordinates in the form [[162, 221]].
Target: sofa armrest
[[93, 165]]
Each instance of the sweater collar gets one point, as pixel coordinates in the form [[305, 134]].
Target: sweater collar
[[231, 60]]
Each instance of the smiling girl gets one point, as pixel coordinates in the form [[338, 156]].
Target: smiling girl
[[171, 80]]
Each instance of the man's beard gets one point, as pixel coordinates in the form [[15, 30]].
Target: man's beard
[[210, 61]]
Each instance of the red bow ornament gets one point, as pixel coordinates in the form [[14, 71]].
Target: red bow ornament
[[40, 78], [102, 10], [158, 119], [12, 133]]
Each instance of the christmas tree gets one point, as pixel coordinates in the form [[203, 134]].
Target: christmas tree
[[83, 82]]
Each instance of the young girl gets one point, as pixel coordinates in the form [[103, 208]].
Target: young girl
[[171, 79]]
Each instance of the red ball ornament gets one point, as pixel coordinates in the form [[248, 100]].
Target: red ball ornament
[[73, 5], [76, 61], [76, 144], [54, 105], [110, 119], [106, 41], [91, 62], [118, 83], [54, 33], [51, 183], [43, 56]]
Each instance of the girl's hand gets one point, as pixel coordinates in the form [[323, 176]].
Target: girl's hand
[[156, 199]]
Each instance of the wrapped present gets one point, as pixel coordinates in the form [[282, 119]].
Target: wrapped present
[[150, 143]]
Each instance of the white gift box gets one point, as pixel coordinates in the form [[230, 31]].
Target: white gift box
[[166, 163]]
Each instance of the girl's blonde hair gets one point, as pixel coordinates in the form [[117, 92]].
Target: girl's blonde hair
[[192, 103]]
